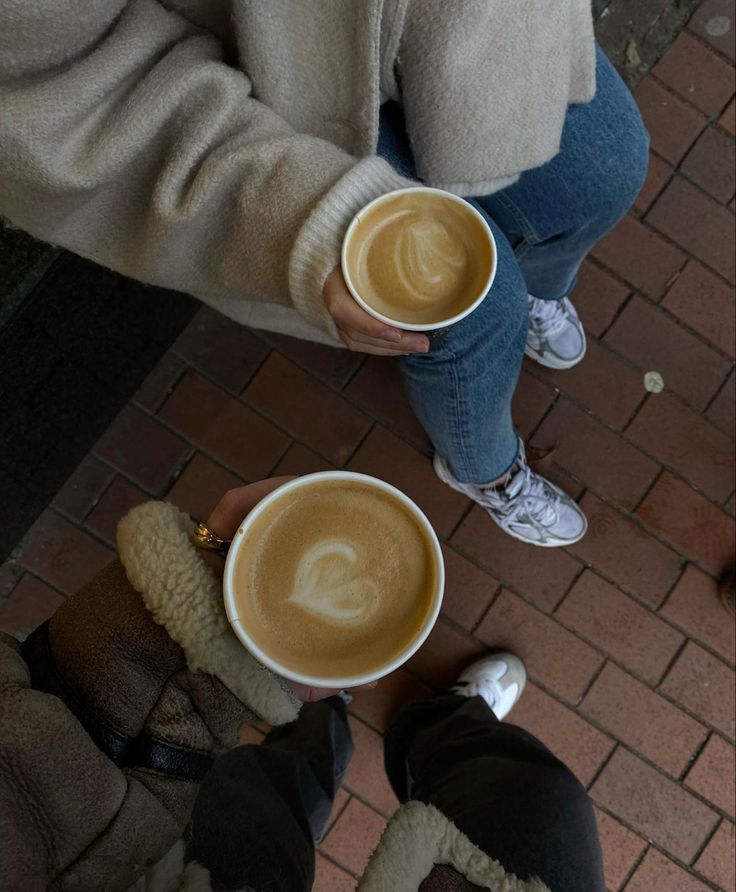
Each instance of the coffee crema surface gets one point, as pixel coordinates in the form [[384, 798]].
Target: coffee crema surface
[[335, 579], [419, 257]]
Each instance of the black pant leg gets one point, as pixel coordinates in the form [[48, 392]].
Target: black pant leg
[[260, 808], [500, 786]]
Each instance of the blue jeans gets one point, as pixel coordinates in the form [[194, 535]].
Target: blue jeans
[[545, 224]]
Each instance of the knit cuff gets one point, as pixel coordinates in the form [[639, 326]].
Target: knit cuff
[[317, 248]]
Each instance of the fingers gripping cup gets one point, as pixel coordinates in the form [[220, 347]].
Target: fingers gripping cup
[[334, 580], [420, 259]]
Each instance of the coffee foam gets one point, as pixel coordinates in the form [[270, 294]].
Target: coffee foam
[[335, 579], [419, 257]]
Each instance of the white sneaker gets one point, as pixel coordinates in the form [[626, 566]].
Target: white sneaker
[[525, 505], [499, 679], [555, 336]]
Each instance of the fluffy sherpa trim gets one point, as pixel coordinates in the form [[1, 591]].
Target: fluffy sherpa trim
[[418, 837], [186, 599]]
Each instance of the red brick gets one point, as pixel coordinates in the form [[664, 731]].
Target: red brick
[[618, 625], [468, 590], [10, 573], [710, 164], [692, 524], [643, 720], [366, 776], [543, 574], [673, 125], [224, 427], [713, 22], [385, 456], [722, 411], [160, 382], [142, 449], [299, 460], [657, 873], [379, 705], [695, 607], [595, 454], [328, 877], [706, 304], [650, 568], [221, 348], [85, 486], [603, 383], [658, 175], [552, 655], [683, 440], [354, 837], [655, 342], [714, 774], [653, 805], [621, 849], [118, 500], [699, 224], [379, 390], [718, 861], [62, 554], [333, 364], [705, 685], [640, 256], [531, 401], [598, 297], [556, 474], [307, 409], [728, 118], [342, 797], [697, 74], [201, 486], [30, 603], [444, 655], [574, 741]]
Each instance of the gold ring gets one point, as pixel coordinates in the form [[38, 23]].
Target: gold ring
[[204, 537]]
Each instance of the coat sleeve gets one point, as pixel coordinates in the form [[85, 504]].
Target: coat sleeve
[[126, 138], [112, 711]]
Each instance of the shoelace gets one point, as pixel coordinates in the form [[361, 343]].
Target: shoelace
[[547, 316], [524, 491]]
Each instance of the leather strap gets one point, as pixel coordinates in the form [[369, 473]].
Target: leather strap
[[143, 752]]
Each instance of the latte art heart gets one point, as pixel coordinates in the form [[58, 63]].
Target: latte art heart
[[326, 584], [334, 578]]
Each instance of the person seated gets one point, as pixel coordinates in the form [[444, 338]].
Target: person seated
[[120, 720], [221, 148]]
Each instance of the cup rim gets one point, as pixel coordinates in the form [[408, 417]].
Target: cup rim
[[418, 326], [315, 680]]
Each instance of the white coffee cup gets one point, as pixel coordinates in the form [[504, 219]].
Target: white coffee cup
[[348, 681], [443, 325]]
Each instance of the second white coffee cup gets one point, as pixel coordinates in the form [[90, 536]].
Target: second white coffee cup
[[343, 681]]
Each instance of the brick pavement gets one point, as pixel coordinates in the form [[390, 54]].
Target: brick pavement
[[630, 654]]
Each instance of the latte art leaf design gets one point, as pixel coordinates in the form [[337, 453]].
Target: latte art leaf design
[[429, 258], [326, 584]]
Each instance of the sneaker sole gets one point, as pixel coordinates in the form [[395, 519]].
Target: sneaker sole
[[554, 362], [562, 544]]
